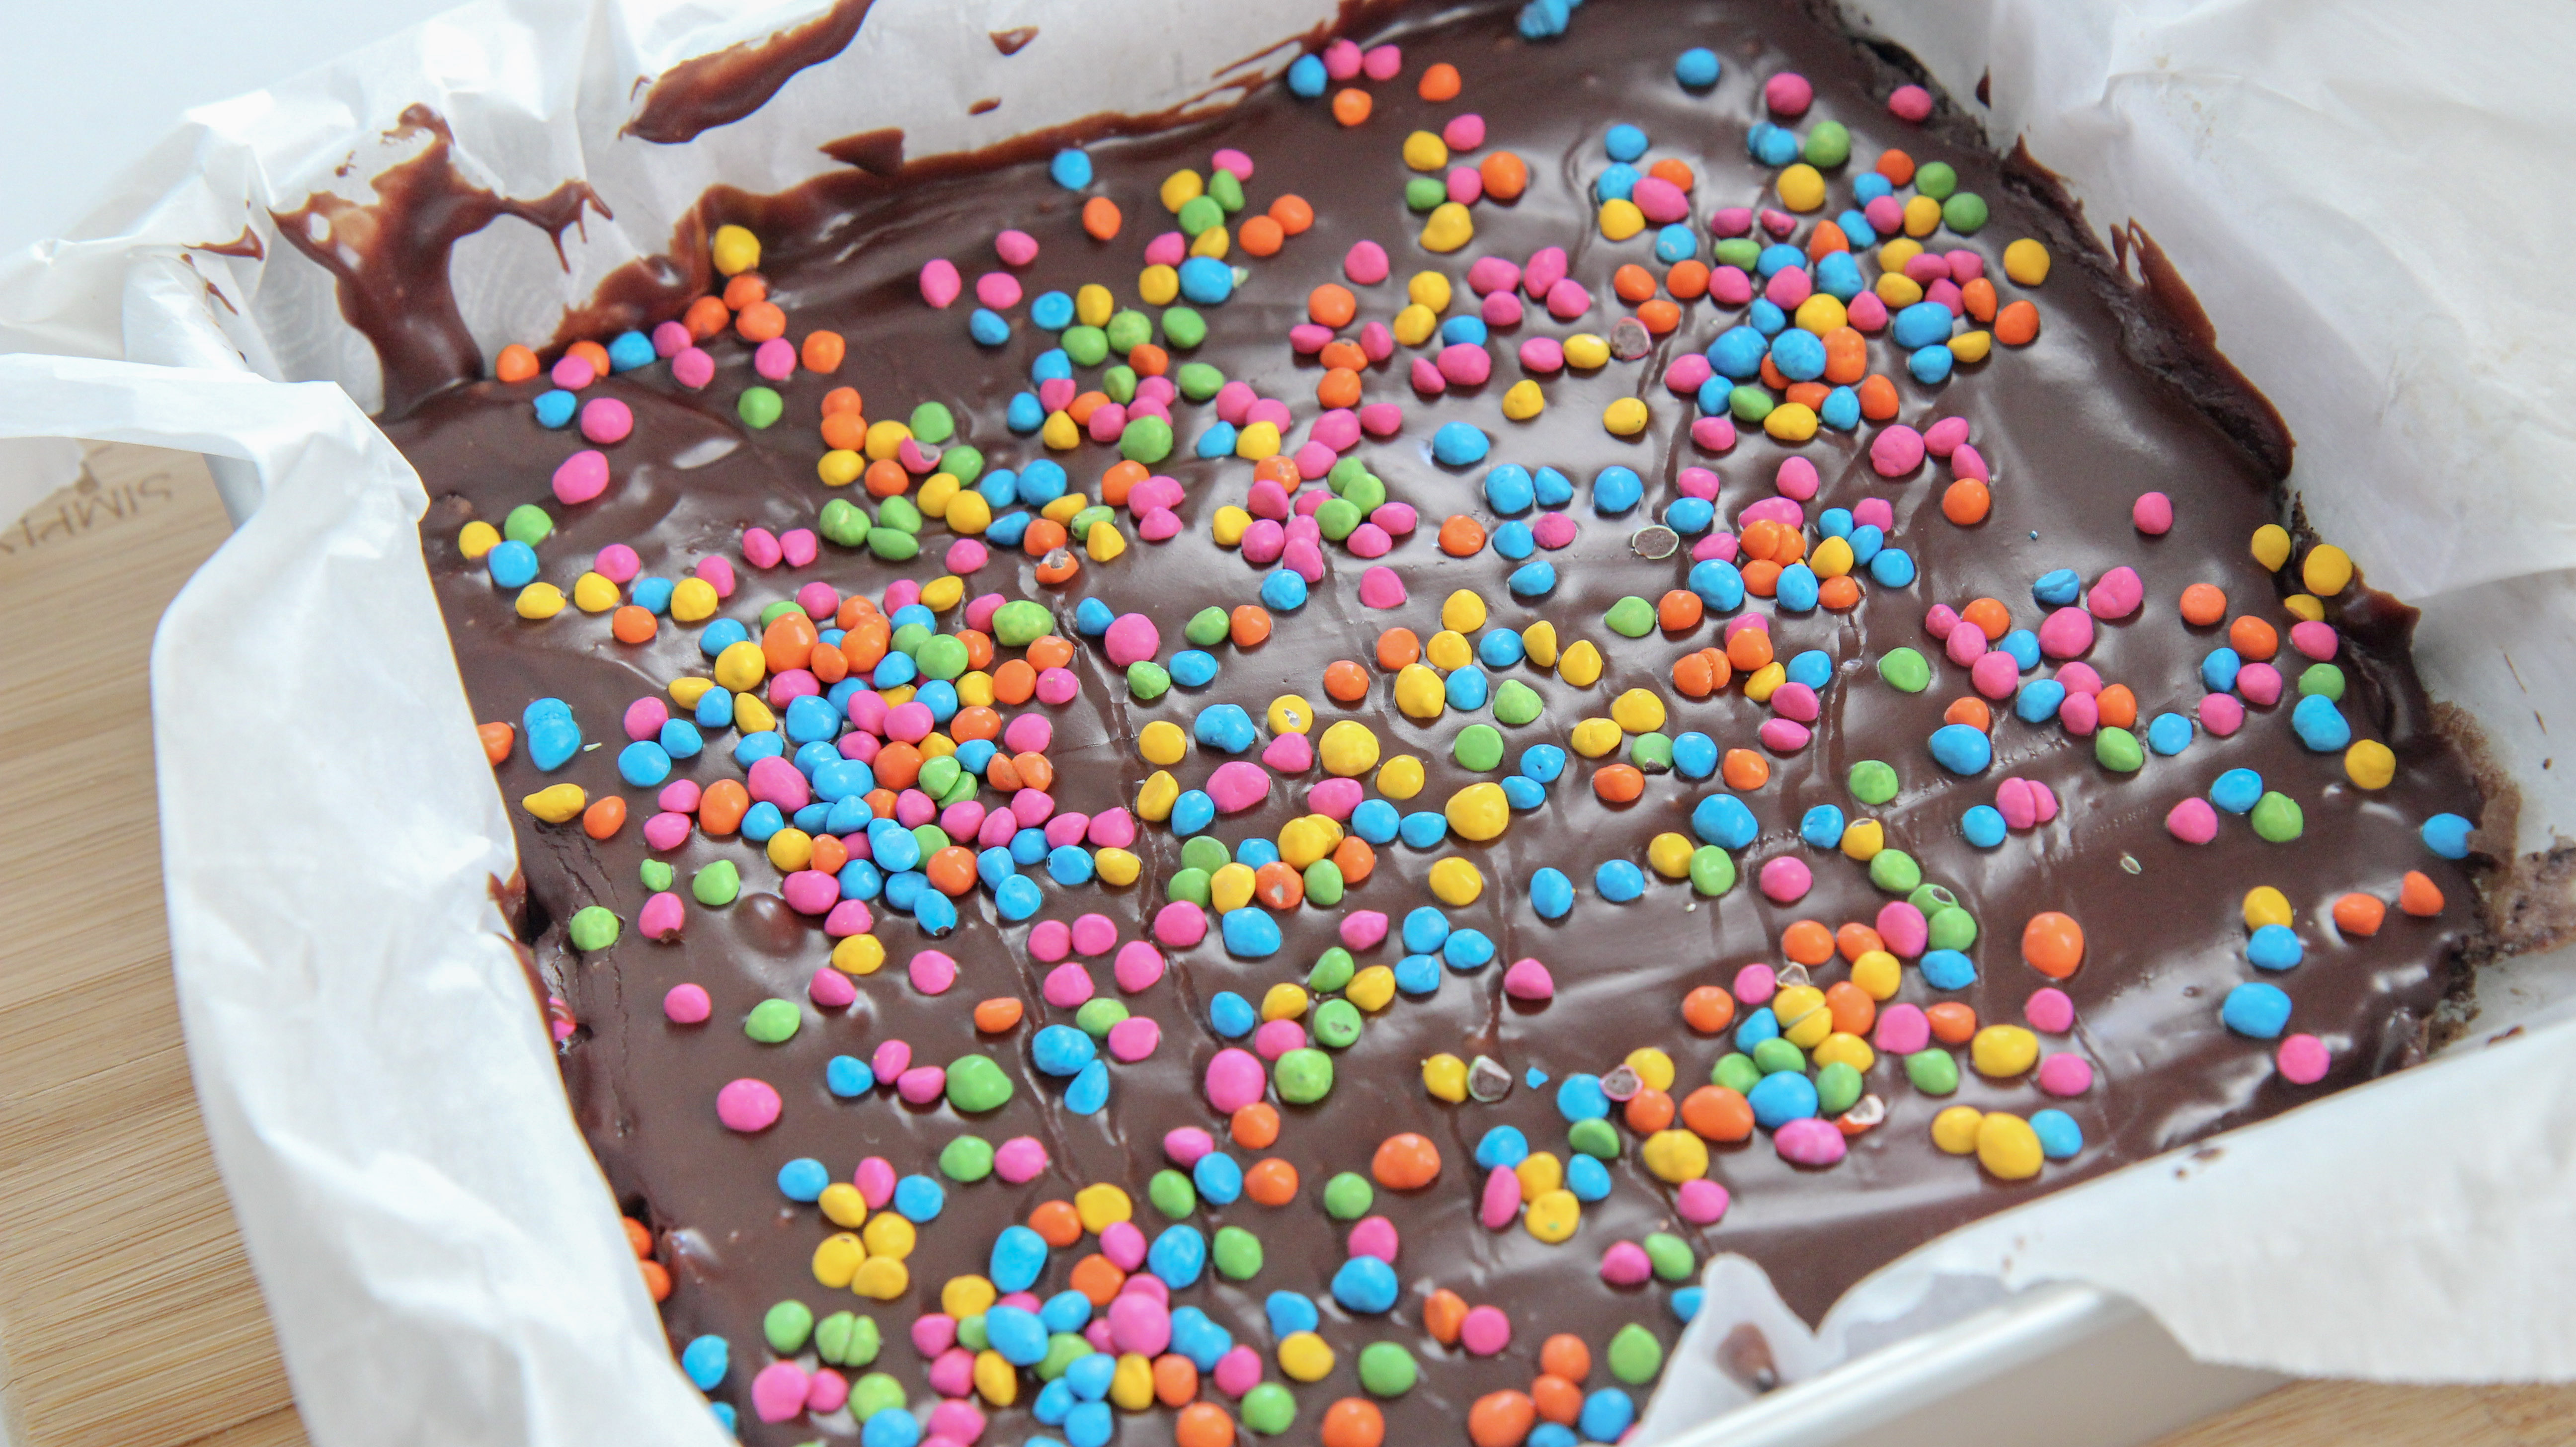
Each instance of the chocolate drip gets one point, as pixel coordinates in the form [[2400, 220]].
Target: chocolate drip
[[247, 245], [1015, 39], [390, 257], [707, 91]]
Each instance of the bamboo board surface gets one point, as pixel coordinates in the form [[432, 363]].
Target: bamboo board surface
[[128, 1313]]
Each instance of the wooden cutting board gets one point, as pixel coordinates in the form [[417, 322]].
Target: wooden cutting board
[[128, 1314]]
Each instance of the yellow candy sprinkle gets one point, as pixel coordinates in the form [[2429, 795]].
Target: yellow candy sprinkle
[[2327, 570], [1449, 228], [2000, 1052], [938, 746], [1462, 612], [943, 592], [1303, 841], [1553, 1217], [888, 1235], [1638, 711], [1429, 289], [1897, 289], [1897, 251], [1538, 643], [1447, 650], [1257, 441], [2007, 1146], [1228, 525], [1922, 216], [1445, 1077], [1831, 559], [1158, 285], [1628, 416], [2026, 262], [2305, 606], [1348, 749], [975, 689], [1878, 974], [540, 601], [885, 439], [1372, 989], [1675, 1156], [1230, 888], [1862, 839], [1131, 1386], [1059, 432], [1844, 1048], [1620, 218], [1180, 189], [1303, 1357], [840, 467], [1284, 1001], [1117, 868], [1539, 1172], [1955, 1130], [734, 250], [1523, 400], [1804, 1020], [882, 1278], [557, 803], [969, 514], [967, 1296], [1654, 1068], [996, 1380], [1155, 797], [1455, 882], [1594, 738], [842, 1205], [2266, 905], [2272, 546], [751, 716], [1765, 681], [1104, 541], [1585, 351], [1102, 1206], [837, 1259], [1419, 693], [1580, 665], [476, 539], [741, 666], [1479, 812], [592, 593], [859, 955], [1790, 422], [1062, 509], [1669, 855], [790, 850], [1414, 325], [1400, 777], [2369, 764], [1803, 189], [1972, 346], [1214, 243], [1821, 313], [1093, 306], [1424, 151], [937, 491]]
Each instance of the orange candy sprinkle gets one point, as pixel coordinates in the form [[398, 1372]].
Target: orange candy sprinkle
[[1271, 1182], [2017, 325], [1057, 1222], [2254, 640], [1202, 1424], [2358, 916], [1444, 1314], [705, 317], [1699, 674], [1708, 1009], [603, 819], [1331, 305], [1952, 1022], [2418, 896], [1098, 1278], [1679, 611], [1807, 941], [1262, 236], [1618, 783], [1405, 1162], [1717, 1113], [1439, 83], [822, 352], [515, 364], [997, 1015], [1353, 1422], [1292, 213], [1556, 1399], [1461, 536], [1970, 711], [1398, 648], [1505, 176], [1255, 1127], [2203, 604], [1966, 502], [1687, 281], [635, 624], [1648, 1111], [1176, 1380], [1248, 625], [1345, 681], [1351, 106], [1746, 770], [762, 321], [2053, 944], [2117, 705], [1501, 1419], [497, 738], [1100, 218], [1565, 1355]]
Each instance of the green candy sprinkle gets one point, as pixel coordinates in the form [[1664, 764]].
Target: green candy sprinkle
[[1671, 1257], [1303, 1076], [976, 1084], [1478, 747], [899, 514], [844, 522], [847, 1339], [2322, 678], [1324, 883], [2277, 818], [963, 463], [1079, 525], [788, 1326], [1936, 179], [876, 1392], [2118, 751], [1827, 146], [1172, 1193], [1837, 1089], [943, 657], [1931, 898], [907, 640], [1366, 494], [1894, 870], [1205, 852], [1750, 403], [1063, 1350], [1651, 752], [1269, 1409], [1872, 781], [527, 523], [1085, 346], [1183, 327], [1951, 928], [1387, 1370], [758, 407], [1237, 1253], [1337, 518], [1933, 1071], [1516, 703], [657, 874], [1424, 192], [941, 774], [1348, 1196], [1777, 1056], [1226, 188], [1905, 670], [1098, 1017], [1338, 1024], [1712, 871], [1207, 628], [932, 423], [1197, 380], [776, 611], [1017, 625], [1736, 1071], [1333, 970], [717, 884], [893, 545], [970, 1333], [1130, 328], [1635, 1355], [1964, 213], [592, 928], [1596, 1138], [1630, 617], [1740, 252], [1189, 884], [1148, 680], [966, 1159], [773, 1022]]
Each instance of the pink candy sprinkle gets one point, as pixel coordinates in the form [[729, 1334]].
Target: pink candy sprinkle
[[831, 990], [1529, 980], [1786, 879], [1485, 1332], [687, 1005], [1234, 1080], [2152, 514], [933, 972], [1788, 94], [1365, 263], [581, 477], [997, 289], [1138, 966], [1809, 1142], [1235, 162], [2221, 713], [1094, 935], [1383, 62], [1464, 132], [1363, 929], [572, 372], [1626, 1264], [693, 368], [2065, 1074], [775, 359], [1501, 1202], [605, 420], [2303, 1059], [940, 283], [1902, 1030], [1901, 927], [1910, 103], [1376, 1237], [2049, 1011], [1700, 1202], [1016, 248], [748, 1105], [2116, 594], [2192, 821], [661, 919], [778, 1393]]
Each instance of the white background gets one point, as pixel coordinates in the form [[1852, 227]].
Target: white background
[[92, 84]]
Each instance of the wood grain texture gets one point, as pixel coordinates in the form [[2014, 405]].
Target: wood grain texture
[[128, 1314]]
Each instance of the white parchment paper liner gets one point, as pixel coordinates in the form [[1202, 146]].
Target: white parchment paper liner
[[2368, 197]]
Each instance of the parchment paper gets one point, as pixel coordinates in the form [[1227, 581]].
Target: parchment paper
[[2368, 197]]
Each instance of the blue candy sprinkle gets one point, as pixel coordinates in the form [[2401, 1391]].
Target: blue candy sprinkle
[[1206, 280], [1502, 1146], [1533, 580], [1017, 1335], [1624, 142], [2060, 1138], [1418, 974], [847, 1076], [1543, 762], [1618, 881], [2256, 1009], [1508, 488], [1458, 444], [1231, 1015], [1072, 168], [2274, 947], [1555, 489], [1580, 1097], [1283, 591], [1948, 970], [1052, 311], [1061, 1050], [1290, 1313], [555, 408], [1218, 1179], [1780, 1098], [1932, 364], [2169, 733], [1089, 1093], [1615, 490], [1585, 1176], [1307, 77], [512, 564], [1697, 68], [1695, 755], [1822, 826], [705, 1360], [2445, 834], [1984, 826], [1179, 1254], [988, 327], [2057, 588], [1365, 1284], [1551, 894], [2237, 790], [2320, 725], [1018, 1255], [1723, 820], [1250, 934], [919, 1199], [1467, 951], [1962, 749], [803, 1179]]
